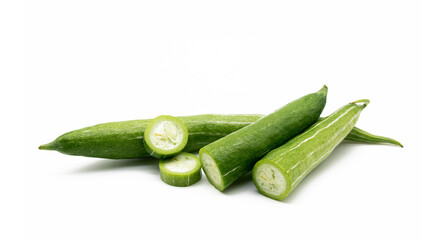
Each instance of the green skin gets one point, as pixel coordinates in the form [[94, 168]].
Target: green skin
[[158, 152], [124, 140], [180, 179], [236, 154], [299, 156], [360, 135]]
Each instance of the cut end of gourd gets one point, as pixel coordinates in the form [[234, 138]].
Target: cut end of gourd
[[48, 146], [181, 171], [269, 180], [165, 136], [181, 163], [211, 170]]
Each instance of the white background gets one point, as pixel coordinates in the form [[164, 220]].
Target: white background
[[88, 62]]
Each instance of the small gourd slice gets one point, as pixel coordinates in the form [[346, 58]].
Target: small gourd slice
[[181, 170], [165, 136]]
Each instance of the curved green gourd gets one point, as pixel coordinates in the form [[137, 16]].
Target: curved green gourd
[[282, 169], [124, 140], [227, 159]]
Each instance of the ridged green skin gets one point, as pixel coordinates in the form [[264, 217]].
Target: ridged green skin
[[299, 156], [160, 153], [360, 135], [124, 140], [236, 154], [180, 179]]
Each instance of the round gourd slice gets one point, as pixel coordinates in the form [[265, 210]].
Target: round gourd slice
[[181, 170], [165, 136]]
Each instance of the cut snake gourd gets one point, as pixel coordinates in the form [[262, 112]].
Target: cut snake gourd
[[165, 136], [230, 157], [124, 140], [181, 170], [282, 169]]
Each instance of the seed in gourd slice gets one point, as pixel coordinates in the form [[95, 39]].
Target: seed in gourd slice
[[271, 181], [181, 170], [165, 136]]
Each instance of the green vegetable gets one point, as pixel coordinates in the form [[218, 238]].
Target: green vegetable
[[124, 140], [359, 135], [165, 136], [282, 169], [228, 158], [181, 170]]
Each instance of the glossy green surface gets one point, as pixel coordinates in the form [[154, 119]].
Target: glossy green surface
[[124, 140], [236, 154], [359, 135], [299, 156]]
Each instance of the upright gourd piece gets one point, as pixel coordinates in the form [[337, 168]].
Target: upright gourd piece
[[282, 169], [181, 170], [165, 136], [230, 157]]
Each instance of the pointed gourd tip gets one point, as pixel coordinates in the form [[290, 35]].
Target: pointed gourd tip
[[364, 102], [324, 89], [48, 146], [394, 142]]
